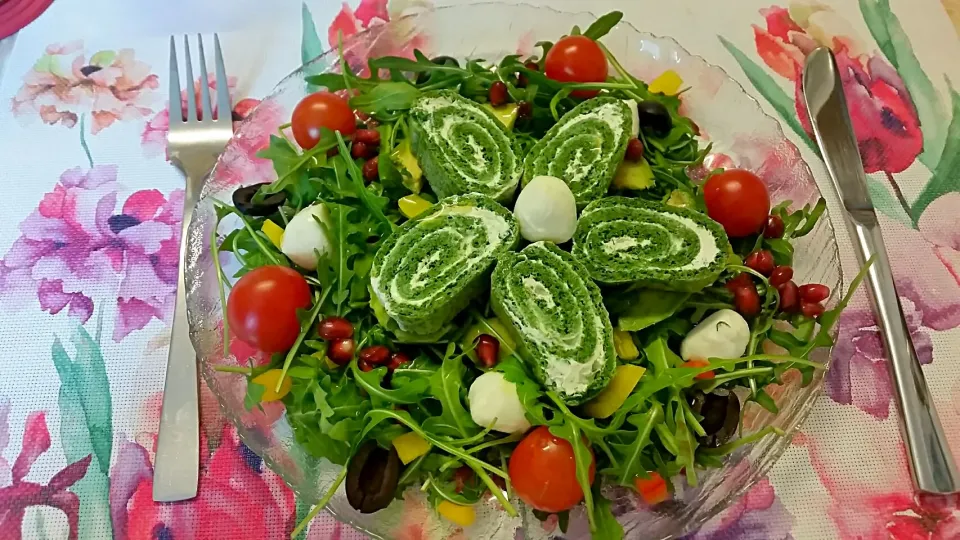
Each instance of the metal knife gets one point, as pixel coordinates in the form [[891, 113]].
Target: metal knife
[[931, 463]]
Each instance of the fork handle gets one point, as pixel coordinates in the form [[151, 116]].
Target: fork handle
[[177, 465]]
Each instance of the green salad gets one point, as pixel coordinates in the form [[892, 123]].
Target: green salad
[[480, 279]]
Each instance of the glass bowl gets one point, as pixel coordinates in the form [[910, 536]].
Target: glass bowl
[[742, 136]]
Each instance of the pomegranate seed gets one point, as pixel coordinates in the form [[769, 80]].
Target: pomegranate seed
[[532, 66], [811, 309], [761, 261], [781, 275], [634, 150], [359, 149], [333, 151], [371, 169], [740, 280], [524, 109], [498, 93], [370, 137], [396, 360], [774, 228], [365, 365], [747, 301], [487, 350], [341, 351], [375, 354], [333, 328], [789, 297], [814, 292]]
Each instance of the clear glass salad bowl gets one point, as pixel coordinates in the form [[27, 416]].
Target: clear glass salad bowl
[[742, 136]]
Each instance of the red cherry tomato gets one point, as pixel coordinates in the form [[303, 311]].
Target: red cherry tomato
[[738, 200], [576, 59], [543, 471], [321, 110], [262, 308]]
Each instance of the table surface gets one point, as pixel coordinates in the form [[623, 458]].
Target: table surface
[[86, 310]]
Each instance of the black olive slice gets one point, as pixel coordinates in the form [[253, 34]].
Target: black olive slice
[[243, 201], [654, 117], [721, 417], [372, 477]]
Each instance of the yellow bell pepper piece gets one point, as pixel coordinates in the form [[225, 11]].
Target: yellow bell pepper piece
[[410, 446], [413, 205], [463, 516], [624, 345], [273, 231], [668, 83], [506, 114], [403, 156], [268, 379], [633, 175], [624, 380]]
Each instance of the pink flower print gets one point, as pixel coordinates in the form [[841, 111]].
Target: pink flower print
[[238, 497], [940, 224], [370, 14], [76, 247], [110, 86], [758, 515], [22, 494], [859, 374], [154, 137], [871, 496], [239, 163], [884, 117]]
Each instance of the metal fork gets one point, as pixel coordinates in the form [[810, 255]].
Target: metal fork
[[193, 143]]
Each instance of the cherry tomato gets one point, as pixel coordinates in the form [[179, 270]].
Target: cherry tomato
[[576, 59], [738, 200], [321, 110], [262, 308], [544, 472]]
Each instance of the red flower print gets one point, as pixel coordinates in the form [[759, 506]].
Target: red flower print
[[238, 498], [110, 86], [76, 247], [884, 117], [21, 494], [369, 14]]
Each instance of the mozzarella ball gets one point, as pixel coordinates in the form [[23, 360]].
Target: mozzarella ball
[[546, 210], [303, 238], [635, 116], [494, 403], [724, 334]]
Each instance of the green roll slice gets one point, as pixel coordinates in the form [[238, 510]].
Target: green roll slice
[[584, 148], [626, 240], [463, 148], [556, 315], [430, 268]]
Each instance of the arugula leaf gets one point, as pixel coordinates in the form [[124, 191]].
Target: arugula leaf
[[607, 526], [583, 458], [372, 382], [603, 25], [386, 98], [527, 389], [645, 422], [645, 307], [446, 385], [254, 395]]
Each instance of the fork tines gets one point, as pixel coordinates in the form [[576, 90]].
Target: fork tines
[[206, 108]]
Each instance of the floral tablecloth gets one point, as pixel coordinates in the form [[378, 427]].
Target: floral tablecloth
[[90, 212]]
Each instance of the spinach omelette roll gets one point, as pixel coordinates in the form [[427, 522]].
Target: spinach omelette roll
[[463, 148], [627, 240], [556, 315], [584, 148], [431, 267]]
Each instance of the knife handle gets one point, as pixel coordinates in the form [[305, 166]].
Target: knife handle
[[928, 453]]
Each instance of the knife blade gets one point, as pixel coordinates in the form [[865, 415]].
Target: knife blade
[[931, 462]]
